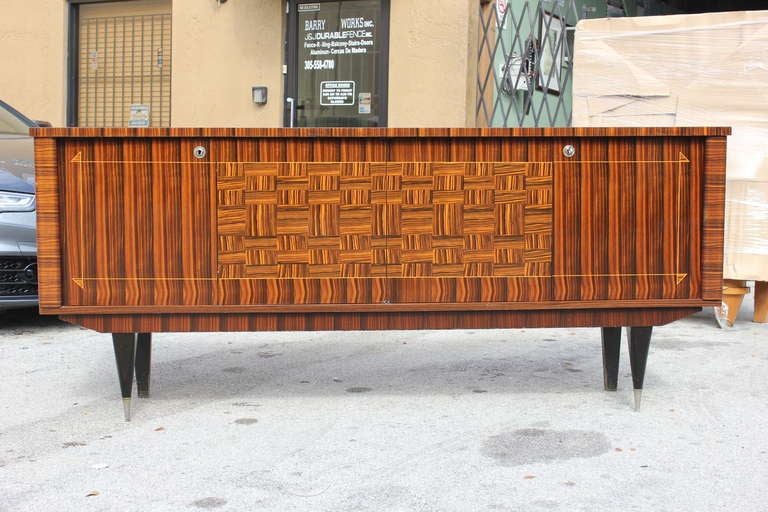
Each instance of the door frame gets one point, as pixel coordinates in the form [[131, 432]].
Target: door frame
[[73, 57], [292, 57]]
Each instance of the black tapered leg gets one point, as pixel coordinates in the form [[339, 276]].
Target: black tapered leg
[[143, 363], [639, 342], [611, 350], [125, 352]]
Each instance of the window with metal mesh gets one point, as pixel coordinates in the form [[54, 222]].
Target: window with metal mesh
[[125, 71], [525, 58]]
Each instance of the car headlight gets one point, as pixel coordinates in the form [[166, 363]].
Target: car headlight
[[16, 202]]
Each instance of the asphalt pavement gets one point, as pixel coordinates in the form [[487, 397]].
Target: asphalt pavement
[[496, 420]]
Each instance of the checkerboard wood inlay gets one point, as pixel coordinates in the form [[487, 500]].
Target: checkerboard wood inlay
[[383, 219]]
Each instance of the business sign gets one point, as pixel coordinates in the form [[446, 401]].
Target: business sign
[[337, 93], [139, 116]]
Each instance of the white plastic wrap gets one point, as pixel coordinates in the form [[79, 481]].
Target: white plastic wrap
[[689, 70], [746, 221]]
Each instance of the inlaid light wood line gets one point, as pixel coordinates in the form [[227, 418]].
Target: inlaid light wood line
[[401, 306], [683, 159], [80, 281], [679, 223], [81, 212], [78, 159]]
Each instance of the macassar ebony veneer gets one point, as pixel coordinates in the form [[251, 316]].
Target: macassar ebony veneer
[[148, 230]]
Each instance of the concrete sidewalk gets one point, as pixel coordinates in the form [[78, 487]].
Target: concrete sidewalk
[[498, 420]]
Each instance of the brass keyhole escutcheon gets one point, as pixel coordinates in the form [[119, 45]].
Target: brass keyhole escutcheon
[[569, 151], [199, 152]]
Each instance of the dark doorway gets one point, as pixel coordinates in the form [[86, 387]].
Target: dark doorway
[[338, 52]]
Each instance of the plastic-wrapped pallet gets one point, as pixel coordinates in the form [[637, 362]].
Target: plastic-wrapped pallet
[[690, 70]]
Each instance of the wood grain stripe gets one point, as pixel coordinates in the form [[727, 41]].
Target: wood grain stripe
[[445, 133], [714, 212], [49, 229], [184, 322]]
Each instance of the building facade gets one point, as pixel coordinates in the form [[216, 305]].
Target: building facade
[[271, 63], [196, 62]]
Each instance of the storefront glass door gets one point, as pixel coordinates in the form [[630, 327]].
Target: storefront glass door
[[337, 54]]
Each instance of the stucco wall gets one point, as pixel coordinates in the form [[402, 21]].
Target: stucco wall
[[219, 53], [428, 65], [33, 57]]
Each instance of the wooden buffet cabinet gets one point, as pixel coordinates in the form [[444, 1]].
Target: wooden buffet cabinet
[[148, 230]]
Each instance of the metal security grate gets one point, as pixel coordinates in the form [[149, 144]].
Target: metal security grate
[[525, 58], [125, 61], [525, 63]]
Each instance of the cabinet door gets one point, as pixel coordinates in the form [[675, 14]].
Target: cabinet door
[[466, 232], [302, 232], [137, 224], [147, 227], [627, 223]]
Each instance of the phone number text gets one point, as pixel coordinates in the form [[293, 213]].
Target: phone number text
[[320, 64]]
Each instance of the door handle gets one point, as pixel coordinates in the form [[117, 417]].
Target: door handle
[[292, 103]]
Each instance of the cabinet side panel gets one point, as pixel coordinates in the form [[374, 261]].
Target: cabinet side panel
[[48, 227], [713, 218]]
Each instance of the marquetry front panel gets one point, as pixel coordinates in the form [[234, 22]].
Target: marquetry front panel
[[469, 232], [353, 221], [302, 220], [359, 222]]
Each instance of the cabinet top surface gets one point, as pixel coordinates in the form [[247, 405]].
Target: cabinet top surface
[[694, 131]]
